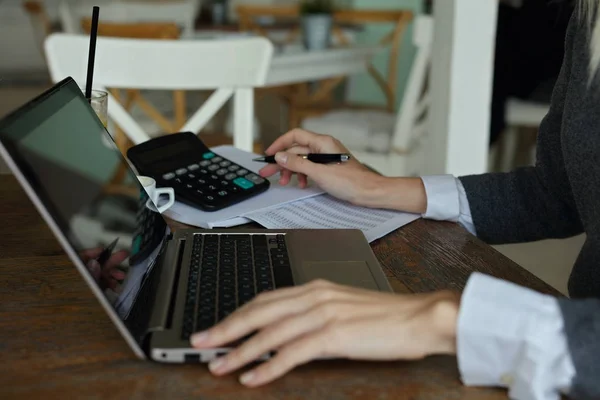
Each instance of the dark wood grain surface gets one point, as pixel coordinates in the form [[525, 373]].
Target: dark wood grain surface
[[56, 341]]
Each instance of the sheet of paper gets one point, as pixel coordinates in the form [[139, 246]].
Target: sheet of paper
[[326, 212], [276, 195]]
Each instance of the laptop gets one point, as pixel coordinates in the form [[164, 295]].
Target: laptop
[[157, 285]]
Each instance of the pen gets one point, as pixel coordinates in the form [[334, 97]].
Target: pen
[[316, 158], [107, 252]]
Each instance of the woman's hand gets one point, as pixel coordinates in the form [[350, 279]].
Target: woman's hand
[[108, 275], [324, 320], [350, 181]]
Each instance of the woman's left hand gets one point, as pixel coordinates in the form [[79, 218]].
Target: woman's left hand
[[324, 320]]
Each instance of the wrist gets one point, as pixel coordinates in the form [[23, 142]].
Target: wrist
[[444, 322], [402, 194]]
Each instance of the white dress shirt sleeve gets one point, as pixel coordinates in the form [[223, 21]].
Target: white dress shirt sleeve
[[447, 200], [514, 337], [507, 335]]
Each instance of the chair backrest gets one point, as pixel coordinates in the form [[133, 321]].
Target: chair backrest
[[412, 119], [231, 66], [40, 21], [249, 15], [138, 30], [182, 13], [145, 30]]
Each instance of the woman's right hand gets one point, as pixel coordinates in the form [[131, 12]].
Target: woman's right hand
[[350, 181]]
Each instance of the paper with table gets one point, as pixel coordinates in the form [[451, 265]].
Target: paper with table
[[289, 207]]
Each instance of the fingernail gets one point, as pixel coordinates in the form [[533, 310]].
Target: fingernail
[[216, 364], [247, 378], [199, 338], [281, 157]]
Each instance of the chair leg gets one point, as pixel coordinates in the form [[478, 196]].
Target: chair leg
[[509, 148], [243, 119]]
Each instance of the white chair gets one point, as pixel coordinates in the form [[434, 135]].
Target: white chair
[[519, 114], [182, 12], [391, 144], [232, 67]]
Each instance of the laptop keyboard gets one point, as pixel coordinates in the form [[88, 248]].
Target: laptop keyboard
[[228, 271]]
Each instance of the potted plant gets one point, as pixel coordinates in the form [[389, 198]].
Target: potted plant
[[316, 21], [219, 12]]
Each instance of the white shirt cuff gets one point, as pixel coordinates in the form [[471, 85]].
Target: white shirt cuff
[[447, 200], [514, 337]]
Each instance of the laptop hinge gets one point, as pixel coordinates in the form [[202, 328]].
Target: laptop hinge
[[164, 302]]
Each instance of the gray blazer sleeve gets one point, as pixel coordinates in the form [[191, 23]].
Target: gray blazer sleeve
[[582, 328], [530, 203]]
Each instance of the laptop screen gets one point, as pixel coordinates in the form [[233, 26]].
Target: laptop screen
[[87, 187]]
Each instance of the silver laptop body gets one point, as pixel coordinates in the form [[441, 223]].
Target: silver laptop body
[[175, 283]]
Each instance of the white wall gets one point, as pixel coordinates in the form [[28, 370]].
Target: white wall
[[461, 83]]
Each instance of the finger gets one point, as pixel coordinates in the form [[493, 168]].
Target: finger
[[302, 181], [91, 253], [116, 259], [272, 169], [275, 336], [94, 269], [117, 274], [295, 136], [269, 170], [261, 313], [314, 345], [292, 162], [286, 177]]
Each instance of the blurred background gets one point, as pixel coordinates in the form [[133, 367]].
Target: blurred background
[[411, 86]]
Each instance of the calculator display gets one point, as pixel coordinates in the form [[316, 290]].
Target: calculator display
[[165, 152]]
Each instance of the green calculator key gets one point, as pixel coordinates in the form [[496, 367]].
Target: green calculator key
[[137, 242], [243, 183], [208, 156]]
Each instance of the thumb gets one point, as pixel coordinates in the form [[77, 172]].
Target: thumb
[[294, 163]]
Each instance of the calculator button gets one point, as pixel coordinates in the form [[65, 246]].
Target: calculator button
[[223, 193], [221, 172], [208, 156], [189, 186], [209, 198], [178, 180], [243, 183], [225, 163], [214, 177], [213, 167], [203, 171], [212, 187], [193, 167], [181, 171], [204, 163], [199, 192], [224, 183], [257, 180], [233, 167], [201, 181], [168, 176], [242, 172], [230, 176], [217, 160], [191, 176]]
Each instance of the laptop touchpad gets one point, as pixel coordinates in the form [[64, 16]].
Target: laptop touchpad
[[352, 273]]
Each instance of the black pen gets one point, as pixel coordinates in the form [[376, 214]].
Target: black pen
[[315, 157], [107, 252]]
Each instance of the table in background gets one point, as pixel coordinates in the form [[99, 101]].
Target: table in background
[[58, 342]]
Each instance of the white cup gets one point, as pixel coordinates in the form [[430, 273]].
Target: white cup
[[154, 194]]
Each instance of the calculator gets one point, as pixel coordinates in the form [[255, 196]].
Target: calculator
[[200, 178]]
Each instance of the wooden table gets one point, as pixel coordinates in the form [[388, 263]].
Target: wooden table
[[57, 342]]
